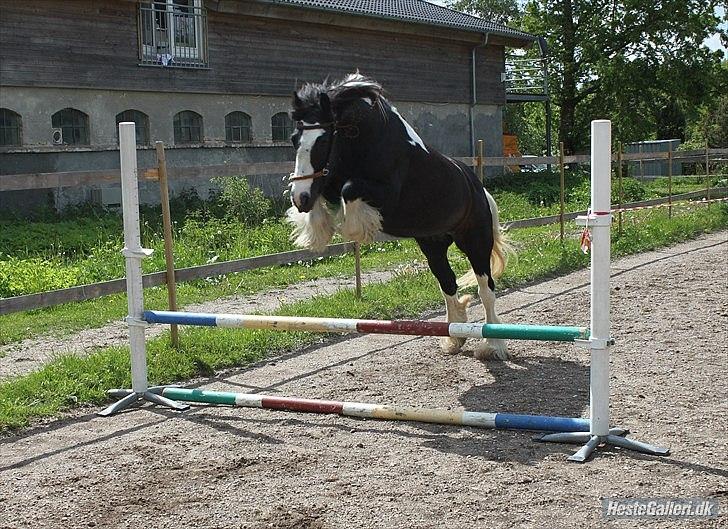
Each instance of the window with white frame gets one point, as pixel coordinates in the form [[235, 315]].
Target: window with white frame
[[173, 33]]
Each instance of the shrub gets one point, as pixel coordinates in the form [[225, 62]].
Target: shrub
[[241, 201], [18, 276], [543, 193]]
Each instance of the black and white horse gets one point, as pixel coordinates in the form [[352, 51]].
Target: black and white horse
[[362, 169]]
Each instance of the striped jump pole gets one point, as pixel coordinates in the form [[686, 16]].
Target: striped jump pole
[[401, 327], [509, 421]]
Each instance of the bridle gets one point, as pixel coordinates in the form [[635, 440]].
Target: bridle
[[350, 130], [323, 172]]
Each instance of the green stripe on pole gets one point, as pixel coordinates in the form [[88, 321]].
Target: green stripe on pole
[[535, 332], [200, 395]]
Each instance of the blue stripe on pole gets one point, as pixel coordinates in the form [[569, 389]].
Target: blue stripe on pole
[[540, 423], [181, 318]]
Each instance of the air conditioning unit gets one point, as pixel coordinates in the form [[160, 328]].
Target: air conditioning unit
[[57, 136]]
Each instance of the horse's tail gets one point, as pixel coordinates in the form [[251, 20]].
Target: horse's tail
[[500, 253]]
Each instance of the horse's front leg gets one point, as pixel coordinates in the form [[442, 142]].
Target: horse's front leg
[[478, 246], [435, 251], [362, 217]]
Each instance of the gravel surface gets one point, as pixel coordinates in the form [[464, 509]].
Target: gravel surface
[[217, 467]]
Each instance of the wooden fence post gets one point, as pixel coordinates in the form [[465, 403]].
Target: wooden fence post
[[707, 175], [481, 169], [562, 190], [620, 188], [357, 267], [167, 223], [669, 182]]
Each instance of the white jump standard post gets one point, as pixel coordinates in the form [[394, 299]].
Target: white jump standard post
[[600, 342], [134, 253]]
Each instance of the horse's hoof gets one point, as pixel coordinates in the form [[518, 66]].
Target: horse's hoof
[[492, 349], [451, 346]]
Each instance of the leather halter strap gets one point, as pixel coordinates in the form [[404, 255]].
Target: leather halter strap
[[301, 126], [317, 174]]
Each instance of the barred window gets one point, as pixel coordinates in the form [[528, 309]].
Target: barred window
[[173, 33], [187, 127], [73, 124], [238, 127], [141, 125], [11, 127], [282, 126]]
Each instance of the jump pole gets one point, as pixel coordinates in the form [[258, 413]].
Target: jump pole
[[345, 326], [592, 432]]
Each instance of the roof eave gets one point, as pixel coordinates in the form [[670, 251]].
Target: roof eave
[[505, 38]]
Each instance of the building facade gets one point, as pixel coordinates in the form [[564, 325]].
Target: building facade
[[213, 80]]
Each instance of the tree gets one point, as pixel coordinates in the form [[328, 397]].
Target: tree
[[628, 60], [505, 12]]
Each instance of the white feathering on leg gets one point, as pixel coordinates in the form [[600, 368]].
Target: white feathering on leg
[[362, 222], [456, 312], [491, 348], [312, 230]]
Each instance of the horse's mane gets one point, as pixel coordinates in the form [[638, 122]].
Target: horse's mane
[[354, 85]]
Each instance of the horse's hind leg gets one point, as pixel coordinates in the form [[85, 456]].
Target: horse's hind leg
[[435, 250], [477, 246]]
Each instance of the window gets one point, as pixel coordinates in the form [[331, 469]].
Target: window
[[173, 33], [282, 126], [141, 125], [187, 127], [10, 128], [238, 128], [73, 124]]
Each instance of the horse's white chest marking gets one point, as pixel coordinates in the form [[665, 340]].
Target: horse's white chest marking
[[414, 137]]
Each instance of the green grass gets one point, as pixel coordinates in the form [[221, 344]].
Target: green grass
[[69, 381], [70, 317]]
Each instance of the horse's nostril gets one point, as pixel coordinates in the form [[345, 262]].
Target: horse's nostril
[[304, 199]]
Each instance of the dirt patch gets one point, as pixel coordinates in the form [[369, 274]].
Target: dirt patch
[[223, 467], [28, 355]]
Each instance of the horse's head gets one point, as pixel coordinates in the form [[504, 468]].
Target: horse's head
[[312, 141], [331, 120]]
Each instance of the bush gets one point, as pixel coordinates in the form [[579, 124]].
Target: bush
[[543, 193], [18, 276], [632, 189], [247, 204]]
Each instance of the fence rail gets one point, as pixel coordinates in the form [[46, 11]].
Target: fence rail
[[29, 181], [115, 286]]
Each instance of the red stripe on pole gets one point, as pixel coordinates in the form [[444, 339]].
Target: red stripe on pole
[[409, 327], [303, 405]]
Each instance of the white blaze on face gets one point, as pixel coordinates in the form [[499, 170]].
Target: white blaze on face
[[414, 137], [303, 162]]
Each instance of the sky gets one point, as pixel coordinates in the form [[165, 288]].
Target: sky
[[713, 42]]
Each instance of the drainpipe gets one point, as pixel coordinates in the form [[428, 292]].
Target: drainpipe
[[474, 91]]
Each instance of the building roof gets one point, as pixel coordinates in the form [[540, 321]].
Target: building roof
[[418, 11]]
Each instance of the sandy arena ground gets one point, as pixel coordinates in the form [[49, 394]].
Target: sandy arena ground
[[240, 468]]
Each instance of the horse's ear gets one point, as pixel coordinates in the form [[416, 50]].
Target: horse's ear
[[297, 101], [325, 103]]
